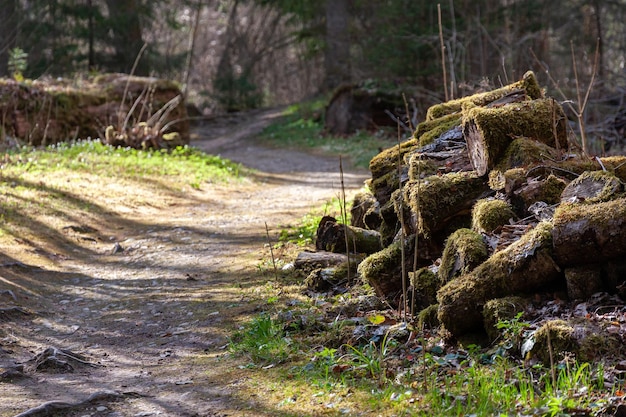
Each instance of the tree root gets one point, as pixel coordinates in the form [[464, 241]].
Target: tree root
[[52, 407]]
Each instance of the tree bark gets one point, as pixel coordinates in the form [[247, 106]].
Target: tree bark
[[489, 131], [589, 233], [127, 35], [8, 33], [337, 53]]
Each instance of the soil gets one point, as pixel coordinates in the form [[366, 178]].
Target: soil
[[128, 313]]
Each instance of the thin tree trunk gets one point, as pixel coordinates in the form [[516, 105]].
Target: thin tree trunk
[[8, 32], [337, 55], [127, 35]]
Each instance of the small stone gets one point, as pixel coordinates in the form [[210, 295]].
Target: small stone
[[101, 408]]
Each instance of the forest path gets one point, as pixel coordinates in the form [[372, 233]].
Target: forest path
[[150, 304]]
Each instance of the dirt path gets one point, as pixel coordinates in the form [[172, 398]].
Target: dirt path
[[149, 304]]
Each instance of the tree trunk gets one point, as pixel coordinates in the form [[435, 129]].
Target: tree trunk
[[127, 35], [337, 53], [8, 33]]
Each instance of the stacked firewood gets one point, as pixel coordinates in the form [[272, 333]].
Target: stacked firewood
[[493, 199]]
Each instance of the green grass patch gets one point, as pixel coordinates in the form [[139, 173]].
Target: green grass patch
[[94, 157], [302, 127]]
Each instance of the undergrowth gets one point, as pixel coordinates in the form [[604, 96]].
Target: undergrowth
[[367, 362], [95, 157], [302, 127]]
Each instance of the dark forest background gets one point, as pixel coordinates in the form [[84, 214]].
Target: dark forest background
[[238, 54]]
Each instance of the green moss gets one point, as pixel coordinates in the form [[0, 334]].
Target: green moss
[[554, 337], [387, 160], [501, 309], [540, 120], [430, 130], [488, 215], [523, 266], [508, 180], [426, 284], [593, 187], [421, 167], [427, 318], [381, 266], [616, 165], [464, 250], [524, 152], [528, 84], [437, 198]]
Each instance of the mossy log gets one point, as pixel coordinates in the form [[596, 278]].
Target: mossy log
[[489, 131], [589, 233], [447, 154], [427, 131], [306, 262], [549, 191], [331, 237], [425, 284], [387, 160], [501, 309], [592, 187], [437, 199], [489, 214], [363, 204], [525, 152], [583, 281], [523, 267], [465, 249], [527, 85], [583, 338], [383, 270]]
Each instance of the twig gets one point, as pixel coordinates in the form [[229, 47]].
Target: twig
[[132, 71], [443, 53], [269, 243], [344, 214], [401, 215]]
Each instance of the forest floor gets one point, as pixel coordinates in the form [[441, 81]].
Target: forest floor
[[128, 313]]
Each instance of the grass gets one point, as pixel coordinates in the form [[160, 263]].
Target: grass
[[94, 157], [416, 378], [302, 127], [55, 181]]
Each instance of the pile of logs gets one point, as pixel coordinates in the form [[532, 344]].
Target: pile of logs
[[488, 199]]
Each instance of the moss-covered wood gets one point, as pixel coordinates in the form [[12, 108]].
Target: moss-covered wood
[[306, 262], [523, 267], [435, 200], [589, 233], [592, 187], [465, 249], [387, 160], [427, 131], [383, 270], [489, 214], [525, 152], [331, 237], [500, 309], [425, 284], [527, 85], [489, 131], [583, 281], [363, 203]]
